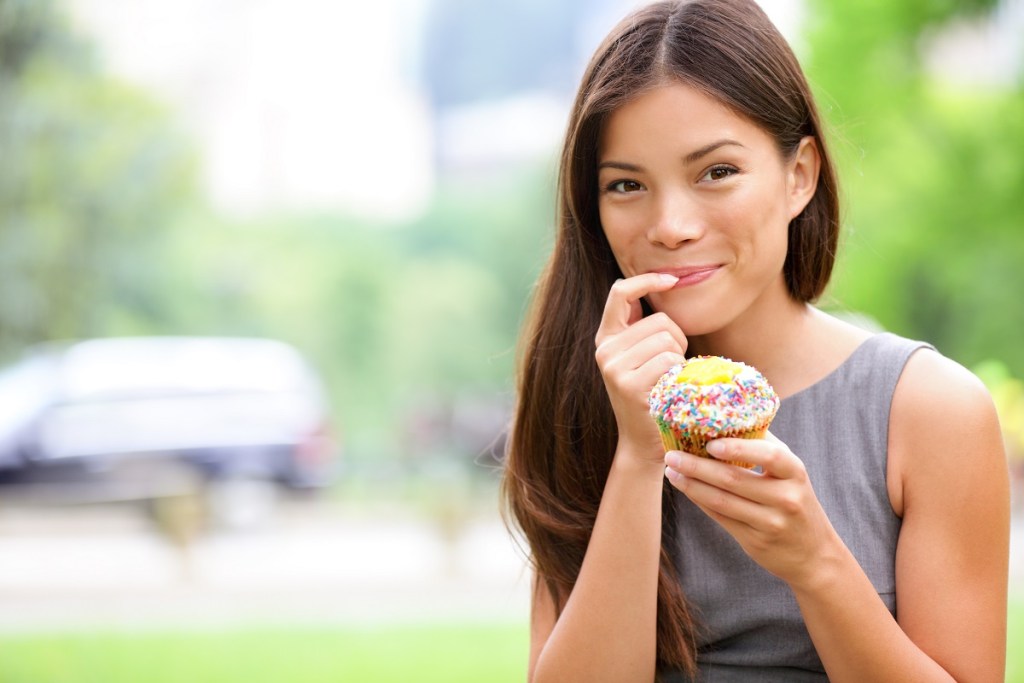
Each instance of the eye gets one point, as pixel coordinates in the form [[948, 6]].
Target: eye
[[624, 186], [720, 172]]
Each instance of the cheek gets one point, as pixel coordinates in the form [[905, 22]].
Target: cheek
[[758, 226], [620, 237]]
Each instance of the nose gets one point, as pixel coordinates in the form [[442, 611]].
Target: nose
[[677, 219]]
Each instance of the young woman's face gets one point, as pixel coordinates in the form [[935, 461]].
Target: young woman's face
[[690, 188]]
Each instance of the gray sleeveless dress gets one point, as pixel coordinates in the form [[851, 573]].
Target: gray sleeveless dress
[[752, 628]]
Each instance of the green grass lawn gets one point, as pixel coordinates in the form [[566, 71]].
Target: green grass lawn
[[393, 654], [1015, 641], [467, 653]]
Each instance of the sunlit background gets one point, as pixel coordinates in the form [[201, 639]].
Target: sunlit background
[[262, 268]]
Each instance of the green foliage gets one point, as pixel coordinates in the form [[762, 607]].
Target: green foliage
[[1008, 396], [92, 172], [405, 321], [932, 179], [29, 28]]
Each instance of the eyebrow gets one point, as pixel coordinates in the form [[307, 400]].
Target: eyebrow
[[693, 156], [709, 148]]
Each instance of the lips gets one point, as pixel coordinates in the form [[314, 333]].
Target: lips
[[691, 275]]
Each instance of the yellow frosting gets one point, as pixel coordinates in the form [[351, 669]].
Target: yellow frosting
[[711, 370]]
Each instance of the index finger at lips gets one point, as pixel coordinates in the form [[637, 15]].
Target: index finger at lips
[[622, 308]]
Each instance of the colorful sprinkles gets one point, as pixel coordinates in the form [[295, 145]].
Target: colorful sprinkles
[[711, 396]]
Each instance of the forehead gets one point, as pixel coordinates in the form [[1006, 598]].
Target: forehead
[[671, 116]]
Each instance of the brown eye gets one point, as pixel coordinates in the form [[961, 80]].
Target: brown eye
[[719, 173], [625, 186]]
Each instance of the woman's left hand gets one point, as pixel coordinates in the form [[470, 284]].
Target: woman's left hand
[[773, 514]]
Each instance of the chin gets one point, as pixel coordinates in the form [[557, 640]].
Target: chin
[[697, 329], [694, 324]]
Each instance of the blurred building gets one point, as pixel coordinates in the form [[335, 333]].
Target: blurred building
[[295, 103], [983, 52]]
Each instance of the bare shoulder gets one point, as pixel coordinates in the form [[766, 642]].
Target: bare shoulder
[[939, 393], [942, 418]]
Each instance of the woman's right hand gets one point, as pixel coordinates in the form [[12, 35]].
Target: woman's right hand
[[633, 352]]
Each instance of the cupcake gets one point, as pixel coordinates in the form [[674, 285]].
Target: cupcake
[[710, 397]]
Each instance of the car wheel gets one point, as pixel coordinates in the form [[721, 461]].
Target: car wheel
[[241, 502]]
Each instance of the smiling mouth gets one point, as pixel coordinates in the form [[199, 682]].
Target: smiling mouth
[[692, 275]]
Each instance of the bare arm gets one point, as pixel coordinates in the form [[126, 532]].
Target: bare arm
[[607, 628], [606, 631], [947, 477]]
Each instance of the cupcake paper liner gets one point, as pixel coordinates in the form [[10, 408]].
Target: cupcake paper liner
[[697, 443]]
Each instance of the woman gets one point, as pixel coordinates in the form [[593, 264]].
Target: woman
[[698, 215]]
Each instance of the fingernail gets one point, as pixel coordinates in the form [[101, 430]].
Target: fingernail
[[669, 279], [716, 448], [673, 475], [672, 459]]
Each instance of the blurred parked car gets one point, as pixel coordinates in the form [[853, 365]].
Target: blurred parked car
[[221, 408]]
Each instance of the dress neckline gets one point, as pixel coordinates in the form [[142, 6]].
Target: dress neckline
[[835, 372]]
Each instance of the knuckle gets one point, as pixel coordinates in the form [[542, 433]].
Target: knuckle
[[774, 456], [667, 358], [719, 502], [801, 470], [732, 476], [660, 318], [668, 341], [603, 337], [774, 525], [760, 544], [609, 370], [790, 503]]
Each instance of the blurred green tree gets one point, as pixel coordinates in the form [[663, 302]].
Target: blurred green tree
[[92, 172], [932, 176], [405, 321]]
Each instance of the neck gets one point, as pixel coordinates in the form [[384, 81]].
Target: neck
[[772, 337]]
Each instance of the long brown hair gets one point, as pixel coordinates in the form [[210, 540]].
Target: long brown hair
[[564, 434]]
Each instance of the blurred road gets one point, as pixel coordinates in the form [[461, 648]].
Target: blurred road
[[316, 563]]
